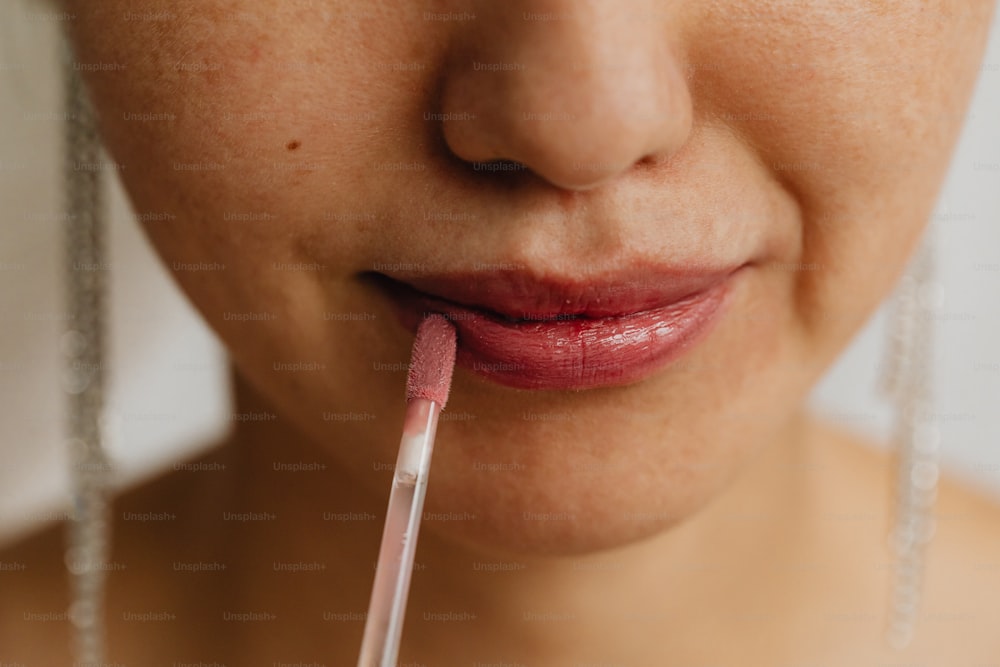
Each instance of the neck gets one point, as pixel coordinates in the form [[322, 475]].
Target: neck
[[701, 577]]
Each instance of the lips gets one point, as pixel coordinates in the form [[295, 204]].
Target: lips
[[549, 333]]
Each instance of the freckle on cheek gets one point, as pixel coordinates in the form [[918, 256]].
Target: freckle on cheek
[[292, 145]]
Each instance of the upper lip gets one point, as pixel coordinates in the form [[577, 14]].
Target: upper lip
[[519, 294]]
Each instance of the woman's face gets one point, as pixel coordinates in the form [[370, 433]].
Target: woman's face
[[278, 152]]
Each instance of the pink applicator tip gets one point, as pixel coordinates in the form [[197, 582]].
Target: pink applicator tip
[[432, 361]]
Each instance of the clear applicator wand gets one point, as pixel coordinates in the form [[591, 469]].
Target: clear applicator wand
[[427, 385]]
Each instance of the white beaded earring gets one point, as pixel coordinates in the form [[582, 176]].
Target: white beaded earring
[[907, 382], [83, 346]]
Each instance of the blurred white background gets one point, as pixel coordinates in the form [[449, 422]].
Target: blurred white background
[[168, 395]]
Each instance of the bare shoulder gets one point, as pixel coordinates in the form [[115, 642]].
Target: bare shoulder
[[34, 628], [154, 524], [960, 606], [962, 581], [963, 512], [968, 530]]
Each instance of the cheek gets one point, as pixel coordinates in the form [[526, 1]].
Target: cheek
[[855, 110], [217, 114]]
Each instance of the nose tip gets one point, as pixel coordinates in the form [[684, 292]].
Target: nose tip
[[578, 104]]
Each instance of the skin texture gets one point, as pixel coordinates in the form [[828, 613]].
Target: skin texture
[[817, 185], [808, 139]]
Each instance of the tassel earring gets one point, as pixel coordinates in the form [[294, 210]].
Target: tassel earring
[[916, 439], [83, 346]]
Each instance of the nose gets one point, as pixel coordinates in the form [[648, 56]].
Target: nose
[[578, 91]]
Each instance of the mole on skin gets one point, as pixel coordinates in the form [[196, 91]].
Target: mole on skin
[[292, 145]]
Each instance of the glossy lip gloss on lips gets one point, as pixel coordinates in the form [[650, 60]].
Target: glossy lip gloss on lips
[[557, 334]]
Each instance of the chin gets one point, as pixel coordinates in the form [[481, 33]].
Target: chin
[[561, 513]]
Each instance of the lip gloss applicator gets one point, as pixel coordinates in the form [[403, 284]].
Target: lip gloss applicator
[[428, 382]]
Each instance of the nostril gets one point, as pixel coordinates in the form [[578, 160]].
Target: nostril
[[652, 160]]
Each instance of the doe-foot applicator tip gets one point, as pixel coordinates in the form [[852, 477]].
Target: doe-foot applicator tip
[[432, 361]]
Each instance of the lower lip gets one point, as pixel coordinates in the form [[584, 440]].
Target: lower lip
[[571, 354]]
